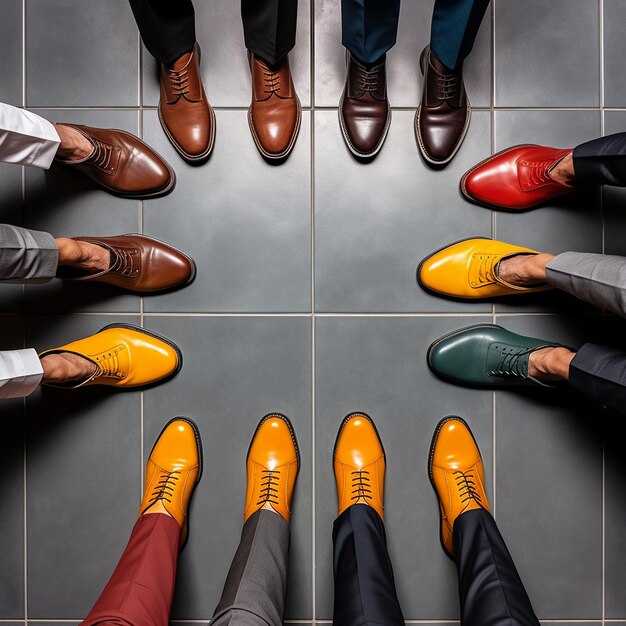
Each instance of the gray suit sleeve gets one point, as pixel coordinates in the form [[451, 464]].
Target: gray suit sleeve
[[596, 278], [27, 255]]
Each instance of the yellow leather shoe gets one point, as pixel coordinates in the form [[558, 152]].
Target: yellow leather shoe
[[469, 269], [273, 462], [124, 356], [457, 475], [359, 464], [174, 469]]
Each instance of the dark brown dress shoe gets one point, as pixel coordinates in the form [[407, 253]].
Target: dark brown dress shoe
[[122, 164], [364, 111], [185, 113], [443, 116], [138, 263], [274, 114]]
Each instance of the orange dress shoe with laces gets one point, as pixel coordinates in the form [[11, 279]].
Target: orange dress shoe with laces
[[457, 475], [273, 462], [469, 269], [174, 469], [359, 464], [124, 356], [516, 178]]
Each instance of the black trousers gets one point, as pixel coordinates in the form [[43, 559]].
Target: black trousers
[[490, 590], [601, 161], [168, 27], [600, 372]]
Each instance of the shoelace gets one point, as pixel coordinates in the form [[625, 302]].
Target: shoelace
[[361, 485], [511, 363], [102, 153], [447, 86], [269, 487], [538, 172], [466, 486], [179, 80], [123, 262], [164, 489], [487, 269], [368, 79], [109, 364], [272, 81]]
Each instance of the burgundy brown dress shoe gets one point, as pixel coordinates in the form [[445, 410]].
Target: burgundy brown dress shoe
[[443, 115], [274, 114], [122, 164], [517, 178], [138, 263], [185, 113], [364, 111]]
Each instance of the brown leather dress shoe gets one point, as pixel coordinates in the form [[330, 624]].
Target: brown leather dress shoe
[[274, 114], [185, 113], [443, 115], [122, 164], [364, 111], [138, 263]]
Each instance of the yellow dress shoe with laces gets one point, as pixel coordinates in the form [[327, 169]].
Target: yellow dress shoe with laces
[[125, 356], [273, 462], [457, 475], [174, 469], [359, 464], [469, 269]]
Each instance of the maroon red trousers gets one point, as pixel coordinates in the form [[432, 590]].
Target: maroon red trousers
[[142, 586]]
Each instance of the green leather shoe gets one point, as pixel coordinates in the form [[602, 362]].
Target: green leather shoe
[[485, 355]]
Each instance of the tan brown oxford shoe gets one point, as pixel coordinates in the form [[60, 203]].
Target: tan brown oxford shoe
[[138, 263], [274, 114], [184, 111], [122, 163]]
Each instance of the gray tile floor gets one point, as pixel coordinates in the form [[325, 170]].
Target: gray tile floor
[[306, 303]]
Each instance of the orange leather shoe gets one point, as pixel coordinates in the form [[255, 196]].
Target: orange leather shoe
[[469, 269], [124, 356], [456, 472], [174, 469], [273, 462], [359, 464]]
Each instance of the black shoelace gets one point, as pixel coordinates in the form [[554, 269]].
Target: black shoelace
[[361, 485], [164, 489], [269, 484], [466, 487]]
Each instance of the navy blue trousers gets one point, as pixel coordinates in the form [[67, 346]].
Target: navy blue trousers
[[490, 590], [601, 161], [369, 28]]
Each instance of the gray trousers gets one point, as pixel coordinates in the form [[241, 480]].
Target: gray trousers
[[596, 371], [254, 592], [27, 255], [596, 278]]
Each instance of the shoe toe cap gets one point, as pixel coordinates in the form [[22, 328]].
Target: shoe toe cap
[[177, 446]]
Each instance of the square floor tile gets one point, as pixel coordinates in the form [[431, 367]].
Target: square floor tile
[[68, 204], [225, 69], [246, 223], [11, 213], [375, 222], [11, 63], [80, 54], [235, 371], [379, 366], [547, 53], [12, 454], [543, 439], [83, 473], [570, 223], [403, 73]]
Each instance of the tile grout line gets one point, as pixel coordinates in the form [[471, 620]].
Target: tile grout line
[[313, 319], [141, 230], [24, 445]]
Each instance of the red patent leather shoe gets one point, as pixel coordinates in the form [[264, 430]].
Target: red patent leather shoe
[[516, 178]]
